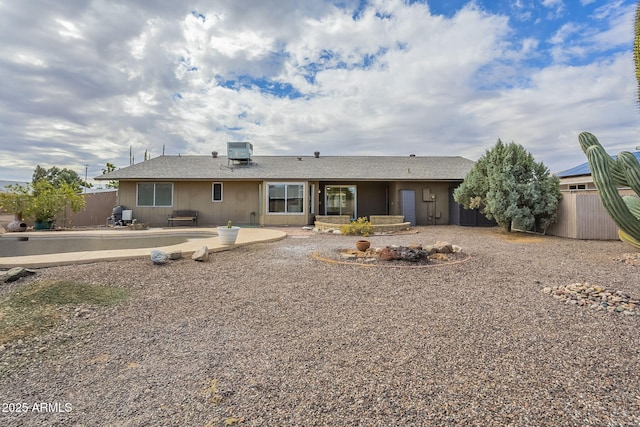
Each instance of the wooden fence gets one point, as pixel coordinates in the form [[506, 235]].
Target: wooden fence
[[581, 215]]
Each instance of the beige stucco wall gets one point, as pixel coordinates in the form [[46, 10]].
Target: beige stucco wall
[[437, 207], [244, 202], [239, 201]]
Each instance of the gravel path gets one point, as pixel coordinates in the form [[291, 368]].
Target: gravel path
[[266, 335]]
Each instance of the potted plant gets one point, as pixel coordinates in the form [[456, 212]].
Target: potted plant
[[228, 234]]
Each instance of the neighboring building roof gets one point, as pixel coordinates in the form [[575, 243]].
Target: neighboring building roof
[[583, 169], [324, 168]]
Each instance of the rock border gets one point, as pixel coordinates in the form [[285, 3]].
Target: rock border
[[595, 297]]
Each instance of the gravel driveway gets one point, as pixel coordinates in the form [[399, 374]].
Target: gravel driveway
[[266, 335]]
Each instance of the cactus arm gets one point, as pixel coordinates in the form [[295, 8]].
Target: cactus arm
[[600, 163], [588, 140], [631, 169], [633, 204], [628, 239]]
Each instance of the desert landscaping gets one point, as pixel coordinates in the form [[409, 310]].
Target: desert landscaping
[[268, 334]]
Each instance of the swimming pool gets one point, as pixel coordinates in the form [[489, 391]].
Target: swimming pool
[[53, 242]]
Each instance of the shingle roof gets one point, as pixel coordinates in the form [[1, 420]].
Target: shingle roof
[[297, 167], [583, 169]]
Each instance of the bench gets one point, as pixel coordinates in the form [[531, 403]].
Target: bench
[[183, 216]]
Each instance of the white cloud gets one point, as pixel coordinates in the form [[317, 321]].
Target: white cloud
[[394, 81]]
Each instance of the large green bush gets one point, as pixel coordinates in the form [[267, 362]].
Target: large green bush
[[509, 186]]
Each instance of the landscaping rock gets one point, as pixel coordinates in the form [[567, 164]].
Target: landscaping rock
[[159, 257], [404, 253], [443, 247], [15, 226], [175, 255], [595, 297], [430, 249], [201, 254], [388, 254], [16, 273]]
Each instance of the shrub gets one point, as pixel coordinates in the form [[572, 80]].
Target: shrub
[[360, 227]]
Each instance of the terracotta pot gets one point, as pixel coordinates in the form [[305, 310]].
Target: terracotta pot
[[363, 245]]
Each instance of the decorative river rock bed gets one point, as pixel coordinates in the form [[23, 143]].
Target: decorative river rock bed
[[414, 255], [596, 297]]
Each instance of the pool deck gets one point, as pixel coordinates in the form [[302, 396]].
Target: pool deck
[[246, 236]]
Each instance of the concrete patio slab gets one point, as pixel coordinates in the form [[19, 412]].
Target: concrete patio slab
[[246, 236]]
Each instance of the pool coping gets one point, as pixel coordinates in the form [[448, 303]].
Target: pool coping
[[246, 236]]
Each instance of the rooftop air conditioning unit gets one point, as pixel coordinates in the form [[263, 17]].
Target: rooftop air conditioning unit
[[239, 151]]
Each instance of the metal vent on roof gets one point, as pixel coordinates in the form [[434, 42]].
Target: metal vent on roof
[[240, 151]]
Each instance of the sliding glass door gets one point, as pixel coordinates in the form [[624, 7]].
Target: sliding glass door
[[340, 200]]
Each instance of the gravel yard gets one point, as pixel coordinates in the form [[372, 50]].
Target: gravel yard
[[267, 335]]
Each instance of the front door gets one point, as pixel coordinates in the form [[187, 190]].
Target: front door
[[340, 200], [408, 198]]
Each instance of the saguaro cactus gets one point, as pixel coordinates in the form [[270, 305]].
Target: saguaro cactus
[[608, 175]]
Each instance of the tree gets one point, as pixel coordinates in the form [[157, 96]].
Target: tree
[[57, 176], [509, 186], [49, 201], [110, 168], [16, 200]]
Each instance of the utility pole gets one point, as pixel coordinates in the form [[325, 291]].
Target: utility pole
[[86, 170]]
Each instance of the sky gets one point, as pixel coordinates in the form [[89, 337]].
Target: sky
[[86, 82]]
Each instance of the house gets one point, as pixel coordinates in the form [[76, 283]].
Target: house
[[579, 177], [289, 190], [581, 214]]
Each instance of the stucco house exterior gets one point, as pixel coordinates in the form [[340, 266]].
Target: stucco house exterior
[[289, 190]]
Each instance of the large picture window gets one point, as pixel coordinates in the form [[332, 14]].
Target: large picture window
[[286, 198], [157, 194]]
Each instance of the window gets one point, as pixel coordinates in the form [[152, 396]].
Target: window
[[578, 187], [285, 198], [155, 194], [216, 192]]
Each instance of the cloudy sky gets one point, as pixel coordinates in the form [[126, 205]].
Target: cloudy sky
[[86, 81]]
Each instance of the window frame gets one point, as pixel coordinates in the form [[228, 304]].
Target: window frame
[[286, 184], [155, 193], [341, 186], [213, 192]]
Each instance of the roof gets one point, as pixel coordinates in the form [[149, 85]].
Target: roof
[[583, 169], [354, 168]]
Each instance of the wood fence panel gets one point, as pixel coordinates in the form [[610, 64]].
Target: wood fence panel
[[581, 215]]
